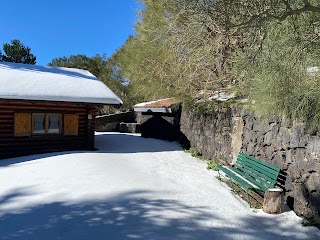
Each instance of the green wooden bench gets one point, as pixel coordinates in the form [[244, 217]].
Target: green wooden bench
[[251, 173]]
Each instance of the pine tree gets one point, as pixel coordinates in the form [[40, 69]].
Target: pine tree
[[17, 52]]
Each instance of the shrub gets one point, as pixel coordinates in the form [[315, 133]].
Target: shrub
[[212, 165]]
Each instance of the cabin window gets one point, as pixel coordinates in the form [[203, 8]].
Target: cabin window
[[46, 123], [39, 123], [54, 123], [27, 124]]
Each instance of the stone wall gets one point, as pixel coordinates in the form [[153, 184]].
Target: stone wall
[[281, 142], [110, 123], [210, 135]]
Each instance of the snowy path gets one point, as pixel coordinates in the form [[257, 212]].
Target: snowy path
[[132, 188]]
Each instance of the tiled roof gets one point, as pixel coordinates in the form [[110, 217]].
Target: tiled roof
[[166, 103]]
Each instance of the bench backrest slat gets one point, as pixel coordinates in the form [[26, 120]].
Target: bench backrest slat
[[272, 174], [261, 162], [254, 172], [262, 174]]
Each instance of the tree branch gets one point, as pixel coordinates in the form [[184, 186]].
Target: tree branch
[[266, 15]]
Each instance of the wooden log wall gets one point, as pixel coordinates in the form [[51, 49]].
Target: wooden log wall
[[11, 146]]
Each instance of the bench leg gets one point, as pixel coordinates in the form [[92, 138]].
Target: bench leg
[[234, 187], [247, 192]]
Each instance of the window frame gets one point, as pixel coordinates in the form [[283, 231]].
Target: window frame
[[46, 127], [60, 123]]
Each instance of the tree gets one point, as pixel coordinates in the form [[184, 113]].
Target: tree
[[180, 50], [96, 64], [278, 79], [262, 49], [257, 12], [17, 52]]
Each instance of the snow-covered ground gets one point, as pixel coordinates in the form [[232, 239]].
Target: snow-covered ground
[[132, 188]]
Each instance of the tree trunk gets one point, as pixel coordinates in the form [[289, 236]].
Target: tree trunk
[[273, 201]]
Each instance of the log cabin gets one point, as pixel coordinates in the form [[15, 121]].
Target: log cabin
[[48, 109]]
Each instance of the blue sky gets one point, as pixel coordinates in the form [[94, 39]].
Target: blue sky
[[63, 27]]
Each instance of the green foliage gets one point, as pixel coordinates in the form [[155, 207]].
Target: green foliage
[[190, 49], [176, 107], [174, 54], [194, 152], [308, 222], [96, 64], [204, 108], [207, 108], [212, 165], [218, 177], [187, 104], [17, 52], [278, 80]]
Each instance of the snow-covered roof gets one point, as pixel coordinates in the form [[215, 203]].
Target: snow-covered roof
[[32, 82]]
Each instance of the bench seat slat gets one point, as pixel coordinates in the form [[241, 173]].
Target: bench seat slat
[[262, 185], [238, 179]]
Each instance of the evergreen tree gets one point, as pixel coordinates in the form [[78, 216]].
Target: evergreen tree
[[96, 65], [17, 52]]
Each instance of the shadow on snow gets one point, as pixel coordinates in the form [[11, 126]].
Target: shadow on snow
[[126, 143], [131, 215], [108, 143]]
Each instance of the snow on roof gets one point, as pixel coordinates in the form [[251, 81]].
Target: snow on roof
[[32, 82]]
